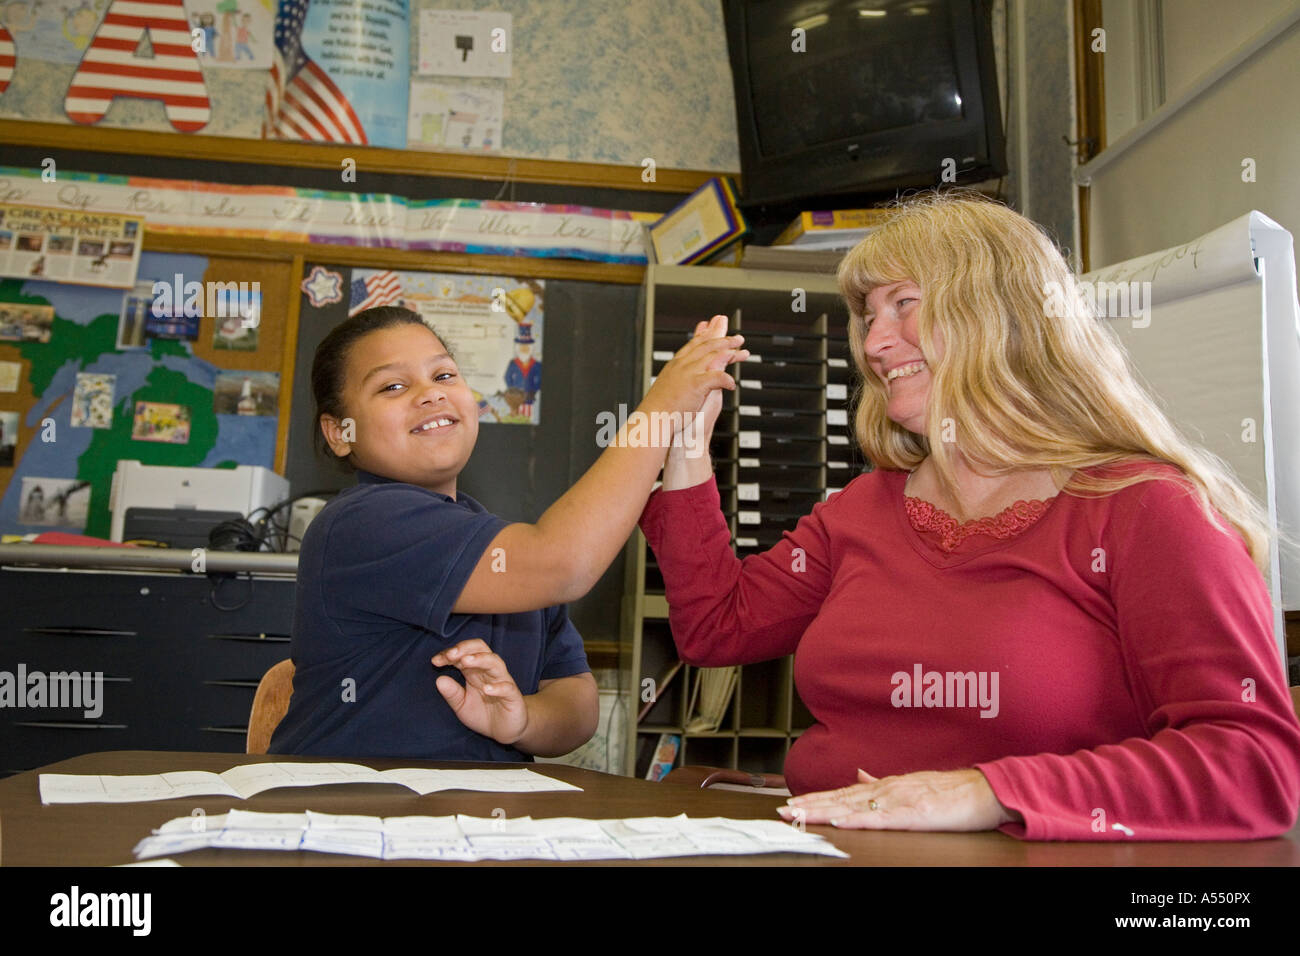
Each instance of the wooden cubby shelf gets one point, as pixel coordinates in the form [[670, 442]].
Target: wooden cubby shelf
[[781, 444]]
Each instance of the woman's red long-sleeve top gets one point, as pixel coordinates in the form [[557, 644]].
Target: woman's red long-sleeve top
[[1108, 664]]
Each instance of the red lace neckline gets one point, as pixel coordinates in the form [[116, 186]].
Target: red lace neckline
[[1007, 523]]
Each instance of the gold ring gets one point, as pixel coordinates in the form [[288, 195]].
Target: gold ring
[[872, 805]]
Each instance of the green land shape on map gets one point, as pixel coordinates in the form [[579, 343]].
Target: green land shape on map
[[84, 344]]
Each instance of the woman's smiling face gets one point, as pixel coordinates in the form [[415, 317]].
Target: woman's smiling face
[[415, 419], [893, 351]]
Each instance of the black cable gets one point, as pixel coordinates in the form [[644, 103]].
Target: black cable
[[217, 580], [242, 534]]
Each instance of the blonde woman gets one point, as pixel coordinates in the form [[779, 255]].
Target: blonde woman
[[1043, 612]]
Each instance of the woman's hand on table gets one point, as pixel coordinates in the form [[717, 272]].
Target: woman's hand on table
[[954, 800]]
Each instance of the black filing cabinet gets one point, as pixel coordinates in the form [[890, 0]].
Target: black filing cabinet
[[180, 655]]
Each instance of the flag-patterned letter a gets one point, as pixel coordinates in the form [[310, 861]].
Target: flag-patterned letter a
[[6, 58], [112, 66]]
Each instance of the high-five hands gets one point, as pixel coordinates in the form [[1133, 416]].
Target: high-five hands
[[955, 800], [490, 703], [688, 463], [697, 369], [716, 327]]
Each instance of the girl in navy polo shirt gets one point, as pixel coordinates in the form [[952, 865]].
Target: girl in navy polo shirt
[[402, 570]]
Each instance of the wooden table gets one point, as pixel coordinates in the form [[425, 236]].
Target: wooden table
[[102, 834]]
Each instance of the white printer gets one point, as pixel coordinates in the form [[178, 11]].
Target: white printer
[[180, 505]]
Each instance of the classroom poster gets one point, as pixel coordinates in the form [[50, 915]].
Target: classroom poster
[[464, 43], [447, 116], [63, 245], [492, 324], [234, 34], [342, 72]]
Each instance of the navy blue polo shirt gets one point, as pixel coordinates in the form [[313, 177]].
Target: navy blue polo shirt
[[380, 569]]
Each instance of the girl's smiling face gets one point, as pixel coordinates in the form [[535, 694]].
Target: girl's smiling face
[[414, 418]]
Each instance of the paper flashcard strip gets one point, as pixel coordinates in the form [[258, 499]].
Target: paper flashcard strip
[[471, 839], [493, 781], [249, 780]]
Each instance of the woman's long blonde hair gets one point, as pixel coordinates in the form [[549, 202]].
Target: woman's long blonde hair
[[1022, 383]]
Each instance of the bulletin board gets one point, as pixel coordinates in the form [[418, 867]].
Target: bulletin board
[[105, 380], [510, 78]]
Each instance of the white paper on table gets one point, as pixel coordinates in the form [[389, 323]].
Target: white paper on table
[[350, 821], [154, 846], [466, 838], [651, 837], [775, 836], [108, 788], [258, 839], [193, 824], [150, 863], [504, 838], [352, 834], [493, 781], [723, 835], [425, 838], [575, 838], [350, 842], [249, 780], [249, 830]]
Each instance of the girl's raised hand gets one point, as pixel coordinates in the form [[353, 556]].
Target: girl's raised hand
[[716, 327], [490, 703], [696, 370]]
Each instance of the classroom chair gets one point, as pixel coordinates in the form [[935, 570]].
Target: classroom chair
[[270, 704], [723, 779]]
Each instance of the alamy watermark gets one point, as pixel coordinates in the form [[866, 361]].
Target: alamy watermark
[[1108, 300], [947, 689], [651, 430], [76, 908], [219, 300], [57, 689]]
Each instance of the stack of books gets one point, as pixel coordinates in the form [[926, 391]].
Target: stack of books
[[816, 241], [840, 229]]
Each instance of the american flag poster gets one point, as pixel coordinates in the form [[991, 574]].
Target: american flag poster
[[340, 72]]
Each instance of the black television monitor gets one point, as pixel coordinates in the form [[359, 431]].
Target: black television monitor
[[883, 95]]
